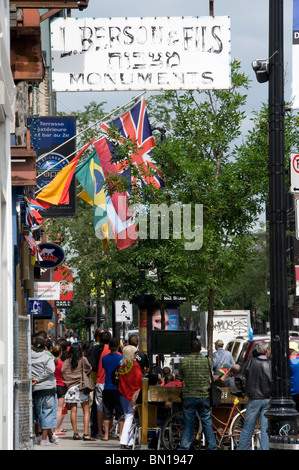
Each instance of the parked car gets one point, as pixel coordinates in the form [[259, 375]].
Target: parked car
[[237, 346], [242, 349], [294, 333]]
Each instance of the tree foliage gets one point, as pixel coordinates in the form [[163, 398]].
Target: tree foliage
[[205, 162]]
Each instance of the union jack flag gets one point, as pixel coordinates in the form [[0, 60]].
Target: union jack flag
[[134, 124]]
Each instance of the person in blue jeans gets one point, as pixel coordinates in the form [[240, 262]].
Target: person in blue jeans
[[294, 372], [111, 394], [44, 393], [196, 372], [202, 406], [258, 385]]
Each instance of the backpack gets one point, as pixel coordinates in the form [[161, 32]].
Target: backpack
[[94, 356]]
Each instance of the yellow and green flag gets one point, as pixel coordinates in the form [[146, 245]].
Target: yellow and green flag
[[90, 175]]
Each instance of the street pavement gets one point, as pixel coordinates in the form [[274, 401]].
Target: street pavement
[[66, 442], [110, 452]]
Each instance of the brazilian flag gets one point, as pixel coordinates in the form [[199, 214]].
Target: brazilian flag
[[91, 177]]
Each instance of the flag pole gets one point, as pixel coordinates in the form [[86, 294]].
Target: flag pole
[[87, 128]]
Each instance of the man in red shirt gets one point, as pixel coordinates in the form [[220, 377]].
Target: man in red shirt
[[176, 382]]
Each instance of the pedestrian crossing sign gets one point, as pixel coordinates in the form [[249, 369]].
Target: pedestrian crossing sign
[[123, 311]]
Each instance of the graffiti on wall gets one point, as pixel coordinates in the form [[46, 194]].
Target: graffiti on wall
[[237, 326]]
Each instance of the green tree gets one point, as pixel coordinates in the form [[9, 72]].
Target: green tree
[[202, 165], [250, 288]]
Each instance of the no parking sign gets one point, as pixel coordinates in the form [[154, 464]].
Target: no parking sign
[[294, 173]]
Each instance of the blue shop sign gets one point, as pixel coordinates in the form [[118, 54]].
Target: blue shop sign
[[53, 139], [40, 309], [52, 255]]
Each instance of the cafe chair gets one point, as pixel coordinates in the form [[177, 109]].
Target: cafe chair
[[152, 424]]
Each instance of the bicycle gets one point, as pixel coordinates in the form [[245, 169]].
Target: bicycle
[[114, 430], [171, 433], [228, 432]]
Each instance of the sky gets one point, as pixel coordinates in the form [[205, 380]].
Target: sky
[[249, 41]]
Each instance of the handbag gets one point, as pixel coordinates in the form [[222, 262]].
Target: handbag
[[115, 377], [86, 383], [214, 392]]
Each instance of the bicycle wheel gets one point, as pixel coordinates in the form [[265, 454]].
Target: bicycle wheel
[[172, 432], [237, 426]]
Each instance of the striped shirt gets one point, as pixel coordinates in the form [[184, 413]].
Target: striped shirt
[[196, 370]]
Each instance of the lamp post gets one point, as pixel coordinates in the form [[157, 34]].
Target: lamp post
[[282, 416]]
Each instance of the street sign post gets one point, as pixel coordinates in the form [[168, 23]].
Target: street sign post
[[294, 173]]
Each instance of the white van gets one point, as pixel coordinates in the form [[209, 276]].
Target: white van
[[130, 333]]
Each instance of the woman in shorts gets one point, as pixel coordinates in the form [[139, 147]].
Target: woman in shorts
[[71, 374]]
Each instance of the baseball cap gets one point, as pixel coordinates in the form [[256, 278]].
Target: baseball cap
[[293, 345]]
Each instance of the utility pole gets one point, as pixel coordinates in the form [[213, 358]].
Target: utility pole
[[282, 415]]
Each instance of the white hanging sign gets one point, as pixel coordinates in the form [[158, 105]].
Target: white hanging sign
[[123, 311], [47, 290], [111, 54]]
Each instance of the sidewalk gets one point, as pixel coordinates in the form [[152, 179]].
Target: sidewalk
[[67, 443]]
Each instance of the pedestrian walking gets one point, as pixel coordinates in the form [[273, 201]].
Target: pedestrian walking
[[257, 374], [196, 372], [129, 384], [71, 374], [294, 372], [64, 346], [93, 357], [95, 352], [221, 356], [141, 357], [111, 402], [44, 392], [105, 337], [61, 389]]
